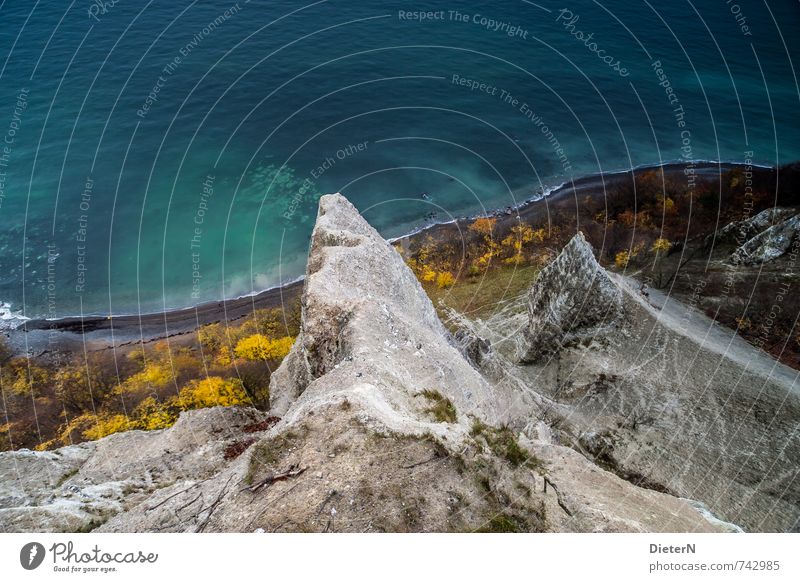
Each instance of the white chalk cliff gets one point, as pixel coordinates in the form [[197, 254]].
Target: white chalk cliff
[[385, 424]]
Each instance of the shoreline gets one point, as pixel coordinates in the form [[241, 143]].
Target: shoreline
[[40, 336]]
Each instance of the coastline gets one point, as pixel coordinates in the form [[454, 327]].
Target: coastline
[[41, 336]]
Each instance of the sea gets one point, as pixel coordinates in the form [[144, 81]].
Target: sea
[[158, 155]]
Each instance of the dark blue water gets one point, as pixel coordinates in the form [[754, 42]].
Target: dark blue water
[[164, 154]]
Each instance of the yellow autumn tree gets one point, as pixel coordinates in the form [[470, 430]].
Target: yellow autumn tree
[[444, 280], [23, 377], [153, 415], [260, 347], [622, 259], [666, 204], [426, 274], [520, 236], [212, 391], [483, 226], [105, 425], [485, 259], [155, 374], [661, 245], [211, 337]]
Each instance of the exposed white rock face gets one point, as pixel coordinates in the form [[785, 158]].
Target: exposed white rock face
[[385, 426], [358, 418], [769, 244], [741, 231], [78, 487], [675, 402], [572, 300], [30, 488], [367, 320]]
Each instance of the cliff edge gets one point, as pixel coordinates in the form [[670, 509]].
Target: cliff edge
[[384, 426]]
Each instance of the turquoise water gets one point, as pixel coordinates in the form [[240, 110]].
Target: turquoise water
[[165, 154]]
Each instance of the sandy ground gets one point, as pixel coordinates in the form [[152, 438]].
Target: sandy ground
[[710, 334]]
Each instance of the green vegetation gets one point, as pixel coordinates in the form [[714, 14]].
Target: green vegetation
[[442, 409], [492, 264], [502, 523], [503, 443], [267, 453], [481, 296], [68, 399]]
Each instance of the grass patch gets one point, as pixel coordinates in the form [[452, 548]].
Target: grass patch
[[503, 443], [267, 453], [441, 408], [91, 525], [479, 296], [502, 523]]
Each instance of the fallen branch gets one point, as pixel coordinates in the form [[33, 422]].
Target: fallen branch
[[213, 506], [325, 502], [185, 505], [189, 488], [561, 503], [270, 479], [417, 464]]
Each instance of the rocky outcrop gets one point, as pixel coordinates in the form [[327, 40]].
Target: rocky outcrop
[[367, 320], [78, 487], [769, 244], [671, 401], [385, 426], [572, 300], [741, 231], [761, 238]]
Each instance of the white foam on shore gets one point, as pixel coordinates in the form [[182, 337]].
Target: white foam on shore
[[10, 319], [16, 319]]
